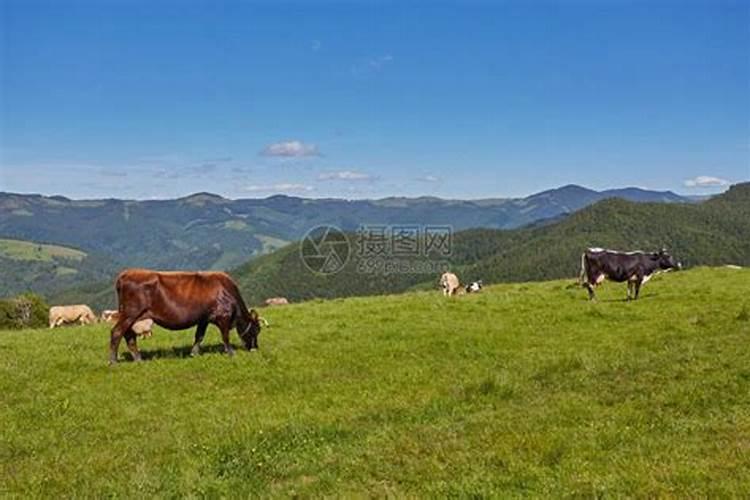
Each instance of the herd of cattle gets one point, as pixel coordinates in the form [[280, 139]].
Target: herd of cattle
[[597, 264], [83, 315], [178, 300], [450, 285]]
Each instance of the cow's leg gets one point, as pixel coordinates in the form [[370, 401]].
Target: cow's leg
[[114, 341], [131, 339], [123, 325], [224, 326], [590, 289], [200, 332], [630, 288], [637, 286]]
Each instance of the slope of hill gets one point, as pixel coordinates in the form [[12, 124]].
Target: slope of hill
[[42, 268], [522, 391], [206, 231], [712, 233]]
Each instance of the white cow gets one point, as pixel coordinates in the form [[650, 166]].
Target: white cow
[[450, 284], [142, 327], [79, 313], [276, 301]]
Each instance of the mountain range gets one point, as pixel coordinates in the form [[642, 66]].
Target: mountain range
[[715, 231], [207, 231]]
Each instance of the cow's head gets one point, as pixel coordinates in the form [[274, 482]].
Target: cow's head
[[252, 330], [666, 261]]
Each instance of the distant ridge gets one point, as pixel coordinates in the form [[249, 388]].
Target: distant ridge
[[207, 231], [716, 232]]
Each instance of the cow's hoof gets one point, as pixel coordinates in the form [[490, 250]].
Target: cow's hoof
[[195, 351], [230, 352]]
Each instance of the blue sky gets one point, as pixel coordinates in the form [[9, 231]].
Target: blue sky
[[144, 99]]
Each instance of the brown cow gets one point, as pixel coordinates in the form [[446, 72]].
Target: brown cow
[[178, 300]]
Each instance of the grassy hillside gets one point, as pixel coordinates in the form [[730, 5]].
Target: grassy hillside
[[42, 268], [27, 250], [525, 390], [711, 233], [99, 295]]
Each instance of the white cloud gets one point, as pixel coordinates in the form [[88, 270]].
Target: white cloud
[[284, 187], [377, 63], [372, 64], [705, 181], [345, 175], [428, 178], [290, 149]]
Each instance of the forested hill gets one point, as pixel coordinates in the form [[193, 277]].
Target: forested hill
[[715, 232], [207, 231]]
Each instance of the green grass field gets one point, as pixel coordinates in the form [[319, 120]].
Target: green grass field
[[28, 250], [523, 390]]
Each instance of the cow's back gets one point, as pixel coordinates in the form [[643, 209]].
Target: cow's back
[[197, 292]]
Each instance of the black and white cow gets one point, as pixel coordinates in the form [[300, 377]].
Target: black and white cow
[[598, 264], [474, 287]]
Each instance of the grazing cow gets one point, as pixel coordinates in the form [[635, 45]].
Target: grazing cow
[[474, 287], [79, 313], [178, 300], [108, 316], [142, 328], [598, 264], [449, 283], [276, 301]]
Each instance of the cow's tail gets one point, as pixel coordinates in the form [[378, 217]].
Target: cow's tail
[[583, 277], [118, 291]]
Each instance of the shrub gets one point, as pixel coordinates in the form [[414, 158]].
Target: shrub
[[24, 311]]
